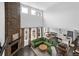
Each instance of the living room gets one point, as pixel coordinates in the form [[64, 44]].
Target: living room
[[45, 28]]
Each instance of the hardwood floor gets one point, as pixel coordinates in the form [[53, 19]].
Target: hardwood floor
[[26, 51]]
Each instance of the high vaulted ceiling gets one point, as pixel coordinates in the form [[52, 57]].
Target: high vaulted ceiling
[[52, 6], [41, 5]]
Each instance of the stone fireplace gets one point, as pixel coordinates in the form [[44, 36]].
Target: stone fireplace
[[12, 28]]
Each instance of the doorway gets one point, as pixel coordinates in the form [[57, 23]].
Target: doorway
[[31, 33], [26, 36]]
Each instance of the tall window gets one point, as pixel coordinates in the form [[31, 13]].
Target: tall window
[[33, 12], [24, 10], [39, 13]]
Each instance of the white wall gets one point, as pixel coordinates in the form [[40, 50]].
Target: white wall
[[30, 21], [63, 15], [2, 23]]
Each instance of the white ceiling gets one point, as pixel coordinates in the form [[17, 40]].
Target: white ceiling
[[52, 6], [40, 5]]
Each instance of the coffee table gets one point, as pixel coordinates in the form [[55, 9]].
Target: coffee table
[[43, 47], [39, 53]]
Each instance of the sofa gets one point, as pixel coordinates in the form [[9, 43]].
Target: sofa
[[36, 42]]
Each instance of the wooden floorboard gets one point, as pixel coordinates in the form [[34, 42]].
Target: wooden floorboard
[[26, 51]]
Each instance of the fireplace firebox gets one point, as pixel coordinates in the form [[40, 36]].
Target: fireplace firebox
[[14, 47]]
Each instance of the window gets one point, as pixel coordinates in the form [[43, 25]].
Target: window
[[39, 13], [24, 10], [33, 12]]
